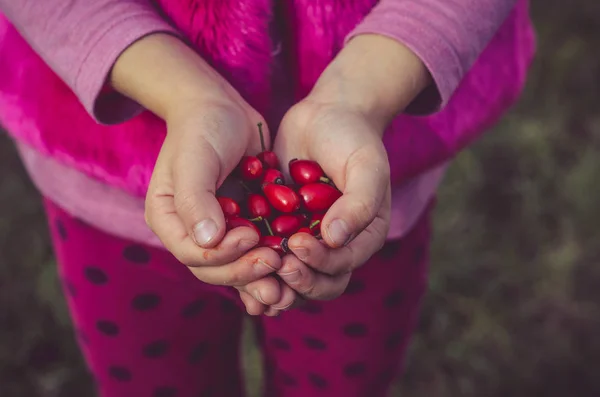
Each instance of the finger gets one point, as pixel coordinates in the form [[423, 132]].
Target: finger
[[163, 220], [342, 260], [309, 284], [253, 307], [253, 266], [366, 183], [265, 290], [288, 299], [196, 172]]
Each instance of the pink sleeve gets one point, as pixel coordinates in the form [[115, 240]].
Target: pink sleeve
[[81, 39], [448, 36]]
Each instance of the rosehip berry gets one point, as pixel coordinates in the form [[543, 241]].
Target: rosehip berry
[[276, 243], [304, 172], [250, 168], [318, 196], [258, 206], [269, 159], [229, 206], [237, 221], [282, 198], [287, 224], [272, 176], [304, 230]]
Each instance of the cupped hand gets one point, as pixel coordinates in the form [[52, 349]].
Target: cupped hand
[[348, 146]]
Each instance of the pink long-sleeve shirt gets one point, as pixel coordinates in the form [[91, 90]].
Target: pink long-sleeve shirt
[[80, 40]]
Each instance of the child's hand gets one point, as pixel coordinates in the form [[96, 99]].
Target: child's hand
[[210, 127], [340, 125], [349, 148]]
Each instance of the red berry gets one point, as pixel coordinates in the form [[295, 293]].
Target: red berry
[[272, 176], [282, 198], [250, 168], [229, 206], [287, 224], [318, 196], [304, 172], [304, 230], [258, 206], [236, 221], [276, 243], [269, 159]]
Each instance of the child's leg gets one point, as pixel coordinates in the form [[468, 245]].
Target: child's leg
[[352, 346], [143, 334]]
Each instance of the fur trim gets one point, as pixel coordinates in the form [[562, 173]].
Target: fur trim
[[38, 109]]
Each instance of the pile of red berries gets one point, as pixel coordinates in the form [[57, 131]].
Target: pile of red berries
[[274, 209]]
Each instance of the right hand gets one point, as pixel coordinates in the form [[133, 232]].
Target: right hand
[[209, 128]]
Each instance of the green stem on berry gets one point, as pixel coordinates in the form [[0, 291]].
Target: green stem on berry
[[262, 138], [257, 219], [315, 223], [268, 227]]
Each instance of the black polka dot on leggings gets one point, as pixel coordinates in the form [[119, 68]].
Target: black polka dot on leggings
[[311, 308], [354, 287], [61, 229], [355, 369], [386, 376], [198, 353], [394, 340], [95, 275], [121, 374], [418, 255], [394, 299], [228, 306], [155, 349], [288, 379], [314, 343], [143, 302], [318, 381], [136, 254], [107, 327], [280, 344], [210, 392], [390, 250], [355, 330], [164, 391], [193, 308]]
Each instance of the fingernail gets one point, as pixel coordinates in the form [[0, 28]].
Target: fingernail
[[205, 231], [265, 264], [301, 253], [338, 232], [258, 297], [291, 277]]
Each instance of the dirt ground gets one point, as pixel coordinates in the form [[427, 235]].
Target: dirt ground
[[514, 303]]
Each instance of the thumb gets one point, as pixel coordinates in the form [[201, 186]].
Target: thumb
[[196, 171], [365, 186]]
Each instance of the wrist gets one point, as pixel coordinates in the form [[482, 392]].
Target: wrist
[[374, 75], [162, 73]]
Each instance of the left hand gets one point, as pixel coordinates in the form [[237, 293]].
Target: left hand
[[348, 146], [340, 125]]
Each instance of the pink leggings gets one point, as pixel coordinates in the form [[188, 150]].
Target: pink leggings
[[148, 328]]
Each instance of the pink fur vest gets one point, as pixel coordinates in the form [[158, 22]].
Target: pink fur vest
[[37, 108]]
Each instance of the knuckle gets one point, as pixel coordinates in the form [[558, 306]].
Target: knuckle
[[185, 202]]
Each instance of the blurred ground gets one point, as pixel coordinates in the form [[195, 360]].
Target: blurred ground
[[514, 306]]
